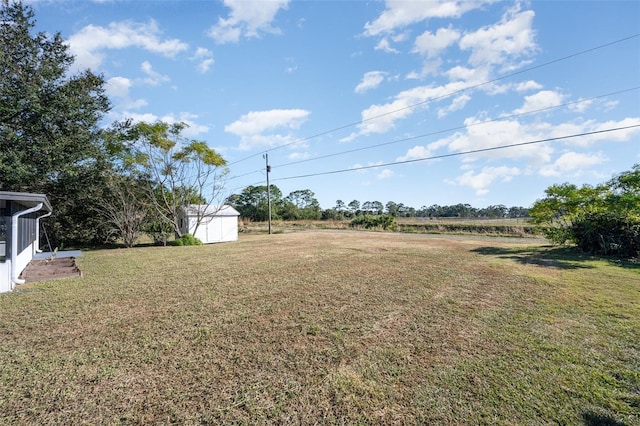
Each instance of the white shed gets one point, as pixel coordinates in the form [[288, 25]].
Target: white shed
[[218, 224]]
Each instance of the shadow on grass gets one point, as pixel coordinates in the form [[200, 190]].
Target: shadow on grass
[[557, 257], [594, 419]]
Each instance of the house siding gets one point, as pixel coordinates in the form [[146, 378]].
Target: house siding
[[12, 264]]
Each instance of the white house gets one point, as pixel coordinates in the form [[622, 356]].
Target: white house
[[20, 213], [218, 224]]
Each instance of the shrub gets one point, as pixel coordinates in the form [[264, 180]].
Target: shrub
[[188, 240], [607, 233], [600, 220], [384, 221]]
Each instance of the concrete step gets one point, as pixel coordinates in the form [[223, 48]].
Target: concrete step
[[51, 269]]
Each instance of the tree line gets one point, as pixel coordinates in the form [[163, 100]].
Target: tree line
[[252, 203]]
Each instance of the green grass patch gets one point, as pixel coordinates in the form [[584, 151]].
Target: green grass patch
[[331, 327]]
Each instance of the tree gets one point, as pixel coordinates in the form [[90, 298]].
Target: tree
[[124, 210], [377, 207], [354, 207], [367, 207], [304, 203], [252, 202], [604, 219], [50, 141], [177, 171], [392, 208], [48, 118]]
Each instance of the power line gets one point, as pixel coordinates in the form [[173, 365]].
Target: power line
[[455, 92], [456, 154], [451, 129], [245, 174], [335, 154]]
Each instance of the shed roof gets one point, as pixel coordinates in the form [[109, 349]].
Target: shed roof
[[27, 199], [211, 210]]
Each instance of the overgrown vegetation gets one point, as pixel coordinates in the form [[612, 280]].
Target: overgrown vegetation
[[385, 222], [604, 219], [331, 327]]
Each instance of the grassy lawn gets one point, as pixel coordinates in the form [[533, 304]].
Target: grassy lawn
[[329, 327]]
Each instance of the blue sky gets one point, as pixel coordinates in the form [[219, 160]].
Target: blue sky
[[339, 91]]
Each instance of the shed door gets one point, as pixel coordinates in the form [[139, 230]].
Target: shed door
[[214, 230]]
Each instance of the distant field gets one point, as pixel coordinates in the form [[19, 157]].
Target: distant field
[[506, 221], [330, 327], [508, 227]]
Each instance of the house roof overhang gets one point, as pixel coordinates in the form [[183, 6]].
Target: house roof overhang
[[27, 199]]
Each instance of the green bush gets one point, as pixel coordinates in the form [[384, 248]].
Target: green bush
[[601, 220], [188, 240], [384, 221], [607, 233]]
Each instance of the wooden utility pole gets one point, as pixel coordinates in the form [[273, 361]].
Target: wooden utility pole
[[266, 157]]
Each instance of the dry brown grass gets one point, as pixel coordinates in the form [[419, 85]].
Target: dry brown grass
[[324, 327]]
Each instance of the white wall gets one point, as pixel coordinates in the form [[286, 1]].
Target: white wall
[[22, 260], [216, 229], [5, 276]]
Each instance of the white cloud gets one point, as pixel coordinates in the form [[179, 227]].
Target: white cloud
[[627, 126], [118, 87], [385, 174], [581, 105], [202, 52], [362, 169], [89, 43], [385, 46], [431, 45], [525, 86], [496, 134], [370, 80], [458, 102], [381, 118], [572, 163], [137, 117], [153, 78], [481, 181], [541, 100], [619, 135], [204, 57], [256, 128], [247, 18], [416, 153], [193, 129], [358, 168], [511, 38], [471, 76], [401, 13], [205, 65]]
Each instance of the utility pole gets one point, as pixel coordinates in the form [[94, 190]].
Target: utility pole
[[266, 157]]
